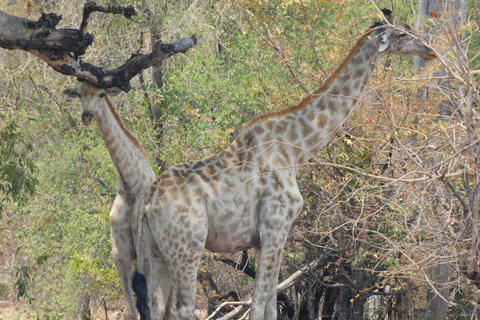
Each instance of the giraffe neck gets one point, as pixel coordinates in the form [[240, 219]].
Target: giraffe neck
[[331, 105], [299, 132], [127, 153]]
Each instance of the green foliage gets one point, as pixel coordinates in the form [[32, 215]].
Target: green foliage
[[17, 166], [21, 283]]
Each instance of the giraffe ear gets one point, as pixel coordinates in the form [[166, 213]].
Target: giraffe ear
[[72, 92], [384, 43]]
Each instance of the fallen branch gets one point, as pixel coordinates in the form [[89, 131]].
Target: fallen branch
[[302, 273], [238, 310], [281, 288]]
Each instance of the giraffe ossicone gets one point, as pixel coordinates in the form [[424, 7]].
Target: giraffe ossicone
[[135, 176], [247, 195]]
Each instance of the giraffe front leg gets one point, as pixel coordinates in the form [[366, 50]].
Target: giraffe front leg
[[264, 305], [122, 253], [273, 230]]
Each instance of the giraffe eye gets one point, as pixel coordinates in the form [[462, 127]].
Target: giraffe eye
[[102, 95]]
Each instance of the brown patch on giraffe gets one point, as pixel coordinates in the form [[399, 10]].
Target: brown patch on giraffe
[[211, 170], [259, 130], [179, 180], [109, 139], [269, 137], [291, 197], [321, 120], [334, 91], [205, 177], [160, 193], [333, 105], [358, 59], [232, 148], [236, 145], [278, 162], [311, 141], [284, 149], [113, 148], [346, 91], [306, 127], [172, 192], [345, 76], [359, 73], [292, 133], [251, 141], [269, 124], [277, 183], [224, 164], [321, 105], [126, 163], [280, 128], [198, 164]]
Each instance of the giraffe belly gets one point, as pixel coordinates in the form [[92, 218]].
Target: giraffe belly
[[231, 236], [234, 245]]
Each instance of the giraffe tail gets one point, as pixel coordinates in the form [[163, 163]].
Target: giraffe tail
[[140, 289]]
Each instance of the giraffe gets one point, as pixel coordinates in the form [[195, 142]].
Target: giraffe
[[135, 176], [247, 195]]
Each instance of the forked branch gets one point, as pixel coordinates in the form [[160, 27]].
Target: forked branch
[[61, 48]]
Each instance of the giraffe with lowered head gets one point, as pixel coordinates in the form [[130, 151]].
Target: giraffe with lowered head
[[135, 176], [247, 195]]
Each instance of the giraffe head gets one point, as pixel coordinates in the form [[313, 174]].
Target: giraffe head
[[91, 97], [399, 38]]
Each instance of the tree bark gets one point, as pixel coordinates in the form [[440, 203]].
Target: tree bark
[[155, 25]]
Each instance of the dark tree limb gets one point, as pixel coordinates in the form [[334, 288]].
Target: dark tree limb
[[242, 266], [60, 48], [92, 6], [24, 34]]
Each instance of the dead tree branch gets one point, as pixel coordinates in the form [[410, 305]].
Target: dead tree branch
[[92, 6], [60, 48], [281, 288]]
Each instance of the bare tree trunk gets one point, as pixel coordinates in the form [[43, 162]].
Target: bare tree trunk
[[157, 77], [155, 25], [447, 16]]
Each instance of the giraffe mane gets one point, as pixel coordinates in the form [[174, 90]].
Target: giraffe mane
[[322, 88], [125, 130]]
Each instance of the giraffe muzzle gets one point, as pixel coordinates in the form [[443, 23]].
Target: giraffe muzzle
[[87, 118]]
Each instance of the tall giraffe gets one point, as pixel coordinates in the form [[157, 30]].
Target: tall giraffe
[[135, 176], [247, 195]]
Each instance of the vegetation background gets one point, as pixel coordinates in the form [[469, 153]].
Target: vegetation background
[[391, 205]]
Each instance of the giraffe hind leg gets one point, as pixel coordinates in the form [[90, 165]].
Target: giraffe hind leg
[[122, 254], [151, 282]]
